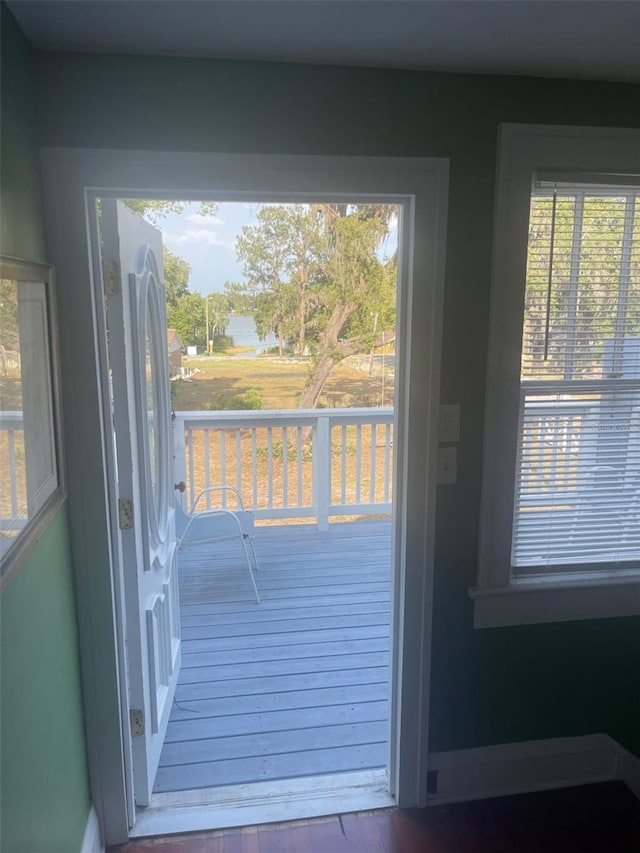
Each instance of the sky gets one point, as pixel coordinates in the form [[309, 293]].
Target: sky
[[207, 243]]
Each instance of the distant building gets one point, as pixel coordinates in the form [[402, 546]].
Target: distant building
[[175, 348]]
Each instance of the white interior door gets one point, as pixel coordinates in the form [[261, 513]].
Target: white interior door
[[139, 365]]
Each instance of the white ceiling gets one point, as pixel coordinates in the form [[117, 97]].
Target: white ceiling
[[588, 39]]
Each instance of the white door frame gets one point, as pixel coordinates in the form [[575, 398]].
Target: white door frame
[[74, 176]]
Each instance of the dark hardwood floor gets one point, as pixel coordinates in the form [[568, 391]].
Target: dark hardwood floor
[[602, 818]]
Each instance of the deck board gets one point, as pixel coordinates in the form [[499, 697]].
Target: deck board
[[255, 669], [279, 742], [296, 685], [272, 615], [290, 682], [268, 628], [307, 696]]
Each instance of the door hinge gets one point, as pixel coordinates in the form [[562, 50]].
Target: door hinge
[[136, 722], [110, 277], [125, 514]]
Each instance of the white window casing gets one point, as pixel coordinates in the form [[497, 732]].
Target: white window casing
[[560, 523]]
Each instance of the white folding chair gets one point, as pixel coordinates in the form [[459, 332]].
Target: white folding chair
[[217, 525]]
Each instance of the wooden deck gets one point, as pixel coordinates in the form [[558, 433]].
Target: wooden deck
[[296, 685]]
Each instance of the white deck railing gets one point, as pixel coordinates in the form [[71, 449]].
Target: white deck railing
[[560, 445], [318, 463], [314, 463], [550, 451], [13, 486]]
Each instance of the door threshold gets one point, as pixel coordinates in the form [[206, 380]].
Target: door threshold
[[263, 802]]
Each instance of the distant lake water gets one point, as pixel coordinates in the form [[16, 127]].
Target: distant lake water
[[242, 329]]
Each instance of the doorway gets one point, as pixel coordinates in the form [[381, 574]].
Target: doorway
[[422, 210], [284, 674]]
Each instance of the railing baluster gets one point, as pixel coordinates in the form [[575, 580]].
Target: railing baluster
[[12, 467], [557, 426], [239, 460], [254, 465], [547, 438], [372, 471], [192, 481], [207, 464], [179, 459], [329, 466], [285, 466], [387, 461], [223, 465], [322, 471], [299, 455], [269, 467], [358, 461], [343, 472]]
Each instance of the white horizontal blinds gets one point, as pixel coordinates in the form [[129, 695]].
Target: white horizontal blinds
[[577, 501]]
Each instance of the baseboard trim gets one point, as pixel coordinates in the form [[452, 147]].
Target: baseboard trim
[[627, 766], [518, 768], [466, 774], [91, 842]]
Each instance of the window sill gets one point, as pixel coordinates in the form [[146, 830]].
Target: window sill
[[531, 601]]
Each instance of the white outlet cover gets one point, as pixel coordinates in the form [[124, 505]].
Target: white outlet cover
[[447, 465]]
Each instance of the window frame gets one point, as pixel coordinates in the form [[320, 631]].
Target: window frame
[[499, 598], [24, 271]]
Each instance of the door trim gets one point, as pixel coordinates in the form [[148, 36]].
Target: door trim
[[72, 178]]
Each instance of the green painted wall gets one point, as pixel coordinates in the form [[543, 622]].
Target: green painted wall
[[21, 218], [43, 785], [488, 686], [45, 799]]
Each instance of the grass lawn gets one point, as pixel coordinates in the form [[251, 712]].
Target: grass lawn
[[279, 382]]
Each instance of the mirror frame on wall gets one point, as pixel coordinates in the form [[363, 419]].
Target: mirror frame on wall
[[23, 271]]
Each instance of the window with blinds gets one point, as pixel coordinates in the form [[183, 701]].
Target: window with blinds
[[577, 499]]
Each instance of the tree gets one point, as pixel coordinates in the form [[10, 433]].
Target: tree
[[238, 300], [187, 316], [177, 272], [217, 311], [154, 210], [320, 280], [8, 305], [263, 249], [308, 259], [284, 258], [358, 285], [9, 334], [576, 293]]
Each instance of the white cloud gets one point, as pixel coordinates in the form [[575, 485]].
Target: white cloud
[[203, 219], [197, 237]]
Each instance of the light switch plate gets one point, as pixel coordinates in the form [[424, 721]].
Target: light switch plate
[[449, 423]]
